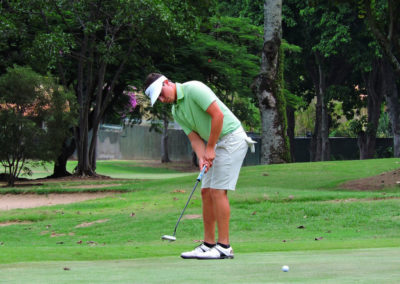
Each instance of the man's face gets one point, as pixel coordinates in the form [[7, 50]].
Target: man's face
[[168, 93]]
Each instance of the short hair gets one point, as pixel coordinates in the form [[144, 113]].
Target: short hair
[[150, 79]]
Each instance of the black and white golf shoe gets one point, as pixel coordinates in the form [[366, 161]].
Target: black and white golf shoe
[[201, 249], [217, 252]]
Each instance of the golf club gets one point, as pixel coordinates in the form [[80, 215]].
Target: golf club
[[173, 238]]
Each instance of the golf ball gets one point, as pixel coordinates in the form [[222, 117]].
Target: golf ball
[[285, 268]]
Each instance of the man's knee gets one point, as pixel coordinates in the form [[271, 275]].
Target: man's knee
[[206, 193], [218, 193]]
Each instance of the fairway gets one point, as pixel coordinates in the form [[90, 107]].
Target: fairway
[[332, 266], [119, 169]]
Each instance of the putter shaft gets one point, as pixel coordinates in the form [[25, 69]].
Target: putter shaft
[[190, 196]]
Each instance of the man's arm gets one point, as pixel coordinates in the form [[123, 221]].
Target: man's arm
[[217, 120], [198, 146]]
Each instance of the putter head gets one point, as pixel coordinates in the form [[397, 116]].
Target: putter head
[[168, 238]]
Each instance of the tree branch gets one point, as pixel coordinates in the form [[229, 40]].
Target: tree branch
[[384, 42]]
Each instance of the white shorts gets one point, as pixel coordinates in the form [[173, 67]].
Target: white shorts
[[230, 152]]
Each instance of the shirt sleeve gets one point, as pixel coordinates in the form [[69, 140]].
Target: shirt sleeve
[[203, 96]]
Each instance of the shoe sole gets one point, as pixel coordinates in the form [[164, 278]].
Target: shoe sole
[[189, 257], [221, 257]]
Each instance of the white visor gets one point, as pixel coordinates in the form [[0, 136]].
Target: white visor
[[154, 90]]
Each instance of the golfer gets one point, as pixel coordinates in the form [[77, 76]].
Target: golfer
[[203, 117]]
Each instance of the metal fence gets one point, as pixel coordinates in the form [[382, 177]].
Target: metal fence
[[138, 143]]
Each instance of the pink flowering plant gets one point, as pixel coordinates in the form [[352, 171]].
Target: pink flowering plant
[[130, 112], [131, 103]]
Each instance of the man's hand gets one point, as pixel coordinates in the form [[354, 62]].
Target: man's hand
[[209, 156], [203, 163]]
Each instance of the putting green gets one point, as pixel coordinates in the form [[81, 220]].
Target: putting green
[[333, 266]]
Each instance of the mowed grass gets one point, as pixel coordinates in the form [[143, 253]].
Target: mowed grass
[[294, 210], [333, 266], [121, 169]]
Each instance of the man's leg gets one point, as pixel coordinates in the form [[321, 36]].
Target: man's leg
[[209, 222], [209, 218], [222, 214], [217, 210]]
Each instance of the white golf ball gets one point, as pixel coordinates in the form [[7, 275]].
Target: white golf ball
[[285, 268]]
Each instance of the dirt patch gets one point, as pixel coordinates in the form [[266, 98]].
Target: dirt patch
[[11, 201], [23, 182], [361, 199], [384, 180], [9, 223], [179, 191], [190, 217], [94, 185], [14, 201], [88, 224]]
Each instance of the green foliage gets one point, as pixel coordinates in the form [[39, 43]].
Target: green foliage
[[251, 9], [249, 114], [225, 55], [384, 126], [361, 125], [305, 120], [34, 115], [331, 24]]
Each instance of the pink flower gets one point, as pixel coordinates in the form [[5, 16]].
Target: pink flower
[[132, 100]]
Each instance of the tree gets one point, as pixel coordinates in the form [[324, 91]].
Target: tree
[[323, 32], [367, 126], [34, 113], [382, 18], [393, 103], [295, 83], [372, 59], [90, 44], [272, 105]]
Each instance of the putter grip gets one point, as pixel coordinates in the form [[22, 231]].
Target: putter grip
[[201, 173]]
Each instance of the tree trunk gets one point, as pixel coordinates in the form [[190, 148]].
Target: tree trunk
[[320, 149], [393, 104], [60, 166], [93, 148], [374, 84], [84, 83], [274, 141], [96, 115], [82, 138], [164, 143], [366, 143], [290, 130], [315, 151]]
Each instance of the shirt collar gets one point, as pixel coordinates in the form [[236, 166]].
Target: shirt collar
[[179, 92]]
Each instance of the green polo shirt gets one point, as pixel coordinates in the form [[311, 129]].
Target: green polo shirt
[[189, 111]]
